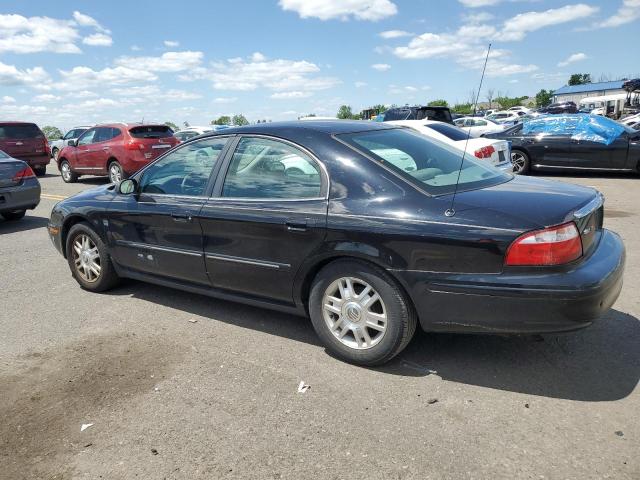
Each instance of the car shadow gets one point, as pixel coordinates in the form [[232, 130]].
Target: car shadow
[[600, 363], [94, 180], [28, 222]]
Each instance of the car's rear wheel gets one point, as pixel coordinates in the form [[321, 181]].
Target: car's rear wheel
[[89, 259], [360, 313], [14, 215], [68, 176], [520, 162], [116, 174], [40, 171]]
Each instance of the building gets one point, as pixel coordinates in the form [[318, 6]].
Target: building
[[575, 93]]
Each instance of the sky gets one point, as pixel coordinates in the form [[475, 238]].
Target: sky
[[67, 63]]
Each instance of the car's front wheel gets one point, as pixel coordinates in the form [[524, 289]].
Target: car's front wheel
[[14, 215], [89, 259], [520, 162], [68, 176], [360, 313]]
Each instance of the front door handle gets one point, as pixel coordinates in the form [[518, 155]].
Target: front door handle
[[297, 225], [181, 217]]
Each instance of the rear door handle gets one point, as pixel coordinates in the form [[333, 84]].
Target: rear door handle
[[181, 217], [297, 225]]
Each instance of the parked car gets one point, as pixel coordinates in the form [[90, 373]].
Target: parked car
[[116, 150], [190, 132], [478, 126], [519, 108], [73, 134], [504, 117], [573, 142], [19, 188], [495, 152], [557, 108], [440, 114], [489, 112], [25, 141], [360, 244]]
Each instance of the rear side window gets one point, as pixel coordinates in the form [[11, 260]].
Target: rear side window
[[151, 131], [439, 115], [262, 168], [396, 114], [451, 132], [26, 130]]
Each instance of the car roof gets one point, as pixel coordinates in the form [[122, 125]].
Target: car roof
[[329, 127], [18, 123]]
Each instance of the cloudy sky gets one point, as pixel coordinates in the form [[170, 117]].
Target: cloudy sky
[[73, 62]]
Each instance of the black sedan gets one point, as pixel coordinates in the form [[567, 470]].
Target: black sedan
[[19, 188], [345, 222], [536, 147]]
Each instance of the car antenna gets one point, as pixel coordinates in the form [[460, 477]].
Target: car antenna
[[450, 212]]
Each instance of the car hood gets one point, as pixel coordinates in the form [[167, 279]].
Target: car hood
[[525, 203]]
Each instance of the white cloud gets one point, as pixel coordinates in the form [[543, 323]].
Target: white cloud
[[20, 34], [84, 77], [87, 21], [395, 34], [98, 40], [257, 57], [371, 10], [167, 62], [223, 100], [171, 43], [628, 12], [517, 27], [8, 99], [430, 45], [290, 95], [46, 97], [381, 67], [360, 84], [10, 75], [135, 48], [395, 89], [479, 3], [179, 95], [576, 57], [479, 17]]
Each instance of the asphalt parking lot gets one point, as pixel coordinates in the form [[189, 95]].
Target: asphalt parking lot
[[181, 386]]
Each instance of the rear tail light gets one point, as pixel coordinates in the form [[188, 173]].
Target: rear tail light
[[485, 152], [134, 146], [23, 174], [47, 149], [551, 246]]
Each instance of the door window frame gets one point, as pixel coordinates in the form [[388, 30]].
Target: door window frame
[[221, 175]]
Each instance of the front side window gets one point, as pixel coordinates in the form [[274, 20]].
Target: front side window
[[184, 171], [434, 165], [263, 168], [87, 137]]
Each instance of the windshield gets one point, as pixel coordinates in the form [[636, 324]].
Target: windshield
[[449, 131], [427, 163]]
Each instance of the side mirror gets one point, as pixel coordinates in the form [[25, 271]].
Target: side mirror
[[128, 186], [72, 143]]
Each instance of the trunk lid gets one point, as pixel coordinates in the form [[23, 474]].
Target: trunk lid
[[154, 140], [8, 171]]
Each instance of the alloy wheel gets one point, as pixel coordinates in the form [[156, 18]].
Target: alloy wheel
[[518, 161], [115, 173], [66, 171], [354, 313], [86, 258]]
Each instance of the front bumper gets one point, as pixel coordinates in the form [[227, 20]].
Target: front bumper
[[514, 302], [21, 197]]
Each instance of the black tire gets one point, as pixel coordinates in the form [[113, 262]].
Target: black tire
[[54, 153], [521, 162], [107, 278], [68, 175], [40, 171], [115, 171], [15, 215], [401, 319]]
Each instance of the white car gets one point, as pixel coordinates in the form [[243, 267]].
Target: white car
[[631, 120], [519, 108], [478, 126], [505, 117], [496, 152], [73, 134], [190, 132]]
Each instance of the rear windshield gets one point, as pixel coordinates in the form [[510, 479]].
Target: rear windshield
[[449, 131], [26, 130], [427, 163], [151, 131], [425, 113], [440, 115]]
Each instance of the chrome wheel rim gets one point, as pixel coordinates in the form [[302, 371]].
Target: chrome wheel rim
[[518, 161], [86, 258], [354, 313], [66, 171], [114, 173]]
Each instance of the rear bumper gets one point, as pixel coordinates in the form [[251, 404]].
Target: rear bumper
[[22, 197], [521, 302], [34, 160]]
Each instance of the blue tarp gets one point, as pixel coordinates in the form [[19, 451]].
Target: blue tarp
[[580, 126]]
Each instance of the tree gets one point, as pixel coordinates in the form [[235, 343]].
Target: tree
[[239, 120], [172, 126], [438, 103], [380, 108], [543, 98], [52, 133], [222, 120], [490, 93], [579, 78], [345, 113], [463, 108], [508, 102]]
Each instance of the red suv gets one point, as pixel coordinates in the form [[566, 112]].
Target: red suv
[[117, 150], [26, 142]]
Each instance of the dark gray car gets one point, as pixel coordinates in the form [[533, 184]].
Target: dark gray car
[[19, 188]]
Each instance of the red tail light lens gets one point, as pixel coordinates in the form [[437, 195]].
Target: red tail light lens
[[47, 149], [485, 152], [551, 246], [23, 174], [134, 146]]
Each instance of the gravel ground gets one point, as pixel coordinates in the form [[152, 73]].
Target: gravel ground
[[179, 386]]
